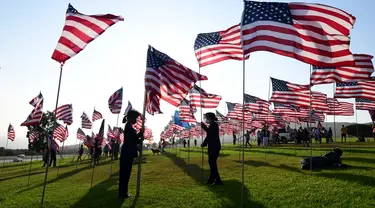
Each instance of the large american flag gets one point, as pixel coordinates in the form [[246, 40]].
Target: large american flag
[[313, 33], [211, 48], [234, 110], [364, 104], [96, 115], [186, 112], [61, 133], [255, 104], [355, 89], [11, 133], [86, 123], [115, 102], [37, 113], [319, 102], [220, 117], [166, 79], [285, 110], [79, 30], [334, 106], [65, 113], [347, 109], [81, 135], [200, 98], [288, 93], [361, 71]]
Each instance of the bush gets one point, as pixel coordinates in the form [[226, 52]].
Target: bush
[[364, 130]]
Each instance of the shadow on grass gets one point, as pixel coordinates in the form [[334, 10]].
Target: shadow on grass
[[359, 159], [230, 191], [205, 152], [23, 175], [282, 166], [361, 179]]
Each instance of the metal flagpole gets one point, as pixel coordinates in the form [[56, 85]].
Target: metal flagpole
[[189, 149], [140, 150], [110, 171], [28, 178], [48, 141], [201, 112], [93, 165], [243, 133], [334, 112], [310, 124], [266, 130], [74, 150], [6, 147], [58, 167]]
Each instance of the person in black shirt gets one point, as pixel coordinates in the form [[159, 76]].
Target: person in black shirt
[[128, 151], [234, 138], [214, 146], [80, 153]]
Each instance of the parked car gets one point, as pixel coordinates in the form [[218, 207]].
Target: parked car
[[21, 156], [285, 136], [18, 159]]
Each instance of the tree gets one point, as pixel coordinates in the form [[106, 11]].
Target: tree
[[45, 127]]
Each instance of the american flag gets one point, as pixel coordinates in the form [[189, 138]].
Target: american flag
[[115, 102], [347, 109], [111, 133], [211, 48], [166, 79], [319, 102], [37, 113], [81, 135], [200, 98], [86, 123], [372, 115], [234, 110], [100, 136], [61, 133], [364, 104], [361, 71], [285, 110], [355, 89], [313, 33], [33, 136], [186, 113], [11, 133], [147, 134], [334, 106], [138, 125], [221, 118], [255, 104], [288, 93], [96, 115], [79, 30], [53, 143], [65, 113], [128, 108]]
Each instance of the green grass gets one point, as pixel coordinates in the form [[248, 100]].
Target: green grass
[[169, 181]]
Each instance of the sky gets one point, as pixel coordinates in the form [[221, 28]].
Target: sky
[[117, 58]]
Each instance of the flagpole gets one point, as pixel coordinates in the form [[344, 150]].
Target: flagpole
[[140, 149], [110, 171], [266, 130], [310, 124], [189, 149], [93, 164], [6, 147], [49, 145], [28, 177], [243, 133], [58, 167], [334, 111]]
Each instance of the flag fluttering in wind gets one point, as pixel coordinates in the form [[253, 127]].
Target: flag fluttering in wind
[[100, 136], [285, 110], [200, 98], [86, 123], [211, 48], [319, 102], [115, 102], [288, 93], [79, 30], [364, 104], [186, 113], [256, 105], [11, 133], [37, 113], [313, 33], [372, 115], [128, 108], [234, 110], [220, 117], [61, 133], [81, 135], [360, 72], [96, 115], [33, 136], [65, 113], [166, 79], [363, 89]]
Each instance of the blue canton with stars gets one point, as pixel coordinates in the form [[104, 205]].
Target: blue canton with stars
[[363, 100], [322, 67], [155, 58], [207, 39], [346, 84], [279, 85], [185, 103], [230, 106], [71, 10], [250, 98], [266, 11]]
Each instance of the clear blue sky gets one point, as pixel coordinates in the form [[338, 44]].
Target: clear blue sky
[[31, 29]]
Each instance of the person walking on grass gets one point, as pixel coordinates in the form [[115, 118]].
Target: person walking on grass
[[128, 151], [80, 153], [214, 146], [234, 138], [343, 133], [195, 142], [247, 135]]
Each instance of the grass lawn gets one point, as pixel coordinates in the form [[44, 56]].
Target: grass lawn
[[169, 181]]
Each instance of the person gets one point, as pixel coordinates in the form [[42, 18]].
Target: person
[[330, 134], [214, 146], [97, 153], [373, 130], [317, 136], [45, 155], [184, 142], [116, 149], [80, 153], [326, 135], [54, 149], [128, 151], [247, 135], [258, 138], [195, 142], [234, 138], [188, 142], [105, 150], [343, 133]]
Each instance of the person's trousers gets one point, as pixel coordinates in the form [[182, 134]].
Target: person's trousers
[[248, 142], [53, 158], [212, 161], [374, 135], [126, 163]]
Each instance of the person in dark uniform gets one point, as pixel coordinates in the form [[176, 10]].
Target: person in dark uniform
[[234, 138], [80, 153], [195, 142], [214, 146], [45, 155], [128, 151], [54, 149], [247, 135]]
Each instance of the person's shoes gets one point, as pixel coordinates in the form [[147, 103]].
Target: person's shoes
[[208, 182], [217, 183], [125, 196]]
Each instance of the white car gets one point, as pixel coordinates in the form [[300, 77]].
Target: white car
[[18, 159], [21, 156]]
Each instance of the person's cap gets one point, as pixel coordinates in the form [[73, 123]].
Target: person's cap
[[211, 116]]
